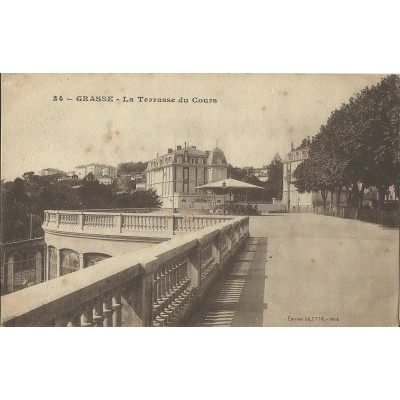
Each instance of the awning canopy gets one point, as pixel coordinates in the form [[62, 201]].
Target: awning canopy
[[229, 183]]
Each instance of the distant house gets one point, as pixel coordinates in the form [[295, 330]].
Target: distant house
[[105, 180], [98, 171], [50, 171], [291, 197], [261, 174]]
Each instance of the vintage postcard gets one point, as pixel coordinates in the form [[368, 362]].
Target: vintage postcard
[[199, 200]]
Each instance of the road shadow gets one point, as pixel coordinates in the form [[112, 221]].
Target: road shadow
[[237, 297]]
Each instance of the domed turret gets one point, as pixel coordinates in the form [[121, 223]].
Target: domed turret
[[217, 165], [216, 157]]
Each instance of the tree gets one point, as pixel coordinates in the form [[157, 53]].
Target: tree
[[90, 177], [358, 147], [139, 199], [274, 184], [131, 168], [95, 195], [28, 175]]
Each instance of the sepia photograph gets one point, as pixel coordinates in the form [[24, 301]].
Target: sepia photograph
[[200, 200], [191, 165]]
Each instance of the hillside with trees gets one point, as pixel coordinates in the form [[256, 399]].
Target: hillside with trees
[[32, 195], [131, 168]]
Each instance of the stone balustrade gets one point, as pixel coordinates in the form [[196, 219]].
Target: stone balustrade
[[127, 223], [157, 286]]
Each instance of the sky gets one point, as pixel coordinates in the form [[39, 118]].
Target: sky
[[254, 117]]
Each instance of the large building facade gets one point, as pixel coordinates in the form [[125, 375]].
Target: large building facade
[[176, 175], [291, 198]]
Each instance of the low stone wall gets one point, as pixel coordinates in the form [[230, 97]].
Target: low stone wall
[[390, 218]]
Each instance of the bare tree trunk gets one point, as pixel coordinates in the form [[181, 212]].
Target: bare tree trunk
[[382, 191], [349, 196], [338, 193], [324, 194], [361, 196]]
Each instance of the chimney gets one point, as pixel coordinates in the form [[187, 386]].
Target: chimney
[[185, 145], [207, 153], [193, 147], [292, 147], [169, 151], [178, 147]]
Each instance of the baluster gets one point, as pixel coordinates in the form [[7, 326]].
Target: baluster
[[168, 289], [159, 287], [107, 312], [164, 316], [76, 321], [155, 293], [117, 308], [87, 317], [162, 279], [98, 314]]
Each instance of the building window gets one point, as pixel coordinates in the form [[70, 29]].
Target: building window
[[185, 173], [192, 161], [185, 187], [186, 156], [179, 160], [199, 161]]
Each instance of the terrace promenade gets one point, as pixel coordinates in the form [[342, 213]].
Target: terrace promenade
[[309, 270]]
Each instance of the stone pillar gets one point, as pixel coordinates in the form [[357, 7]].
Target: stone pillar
[[194, 266], [10, 274], [58, 263], [171, 223], [217, 249], [81, 261], [81, 220], [138, 297], [117, 307], [47, 264], [118, 219], [39, 264]]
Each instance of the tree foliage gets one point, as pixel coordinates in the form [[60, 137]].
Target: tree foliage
[[273, 185], [358, 147]]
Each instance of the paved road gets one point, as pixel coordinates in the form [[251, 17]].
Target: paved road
[[344, 271], [318, 271]]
